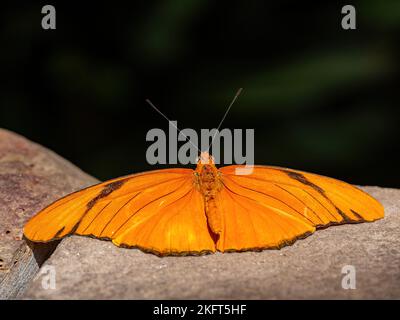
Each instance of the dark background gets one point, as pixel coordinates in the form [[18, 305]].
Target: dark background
[[320, 98]]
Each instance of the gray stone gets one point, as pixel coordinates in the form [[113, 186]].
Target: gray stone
[[31, 177], [311, 268], [85, 268]]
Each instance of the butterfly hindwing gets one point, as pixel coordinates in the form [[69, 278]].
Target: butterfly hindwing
[[159, 211], [275, 206], [174, 211], [174, 225]]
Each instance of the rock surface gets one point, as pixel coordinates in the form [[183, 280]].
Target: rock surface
[[88, 268], [85, 268], [30, 178]]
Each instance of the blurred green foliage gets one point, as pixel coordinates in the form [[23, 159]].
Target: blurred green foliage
[[320, 98]]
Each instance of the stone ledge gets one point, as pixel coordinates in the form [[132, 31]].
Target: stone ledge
[[31, 177], [310, 269]]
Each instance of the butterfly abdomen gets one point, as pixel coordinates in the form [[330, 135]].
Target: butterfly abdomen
[[209, 187], [213, 215]]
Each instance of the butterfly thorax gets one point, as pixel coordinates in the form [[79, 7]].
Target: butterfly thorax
[[207, 176], [209, 181]]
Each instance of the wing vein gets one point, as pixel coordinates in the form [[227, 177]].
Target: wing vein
[[263, 205], [164, 195], [294, 196], [268, 195], [98, 213], [123, 206]]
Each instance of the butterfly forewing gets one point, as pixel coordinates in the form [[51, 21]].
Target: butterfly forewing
[[169, 211], [158, 210]]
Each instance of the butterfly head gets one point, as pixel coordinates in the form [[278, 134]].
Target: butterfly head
[[205, 158], [205, 162]]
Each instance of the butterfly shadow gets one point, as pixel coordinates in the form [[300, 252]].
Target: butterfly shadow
[[41, 250]]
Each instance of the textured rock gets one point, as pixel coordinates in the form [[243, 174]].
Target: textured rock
[[88, 268], [30, 178]]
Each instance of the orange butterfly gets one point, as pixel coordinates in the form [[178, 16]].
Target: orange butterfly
[[184, 211]]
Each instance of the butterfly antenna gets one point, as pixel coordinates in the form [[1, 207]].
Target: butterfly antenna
[[223, 118], [173, 124]]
